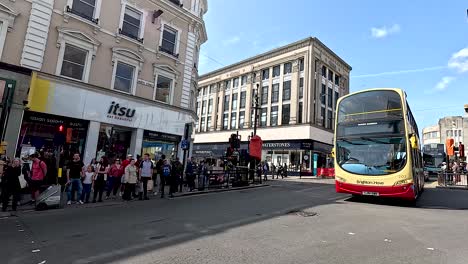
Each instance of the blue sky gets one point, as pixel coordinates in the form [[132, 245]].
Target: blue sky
[[420, 46]]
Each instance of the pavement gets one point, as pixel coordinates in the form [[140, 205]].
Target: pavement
[[289, 221]]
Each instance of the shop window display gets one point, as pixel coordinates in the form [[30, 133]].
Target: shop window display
[[113, 142]]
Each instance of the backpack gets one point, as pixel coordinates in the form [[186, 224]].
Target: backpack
[[166, 171]]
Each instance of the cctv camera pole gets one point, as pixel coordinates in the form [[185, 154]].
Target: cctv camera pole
[[256, 106]]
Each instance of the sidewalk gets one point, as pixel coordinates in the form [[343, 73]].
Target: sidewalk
[[113, 201]]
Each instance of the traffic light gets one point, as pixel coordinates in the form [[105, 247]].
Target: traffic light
[[461, 150], [234, 141], [60, 128], [449, 145]]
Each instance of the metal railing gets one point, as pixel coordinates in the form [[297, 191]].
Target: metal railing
[[447, 179], [217, 179]]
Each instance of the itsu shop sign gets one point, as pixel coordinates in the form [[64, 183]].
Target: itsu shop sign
[[118, 112]]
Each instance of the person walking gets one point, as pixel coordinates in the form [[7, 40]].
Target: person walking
[[102, 169], [265, 170], [146, 172], [74, 175], [189, 174], [159, 166], [178, 170], [11, 185], [87, 183], [130, 180], [38, 173], [166, 178], [115, 174]]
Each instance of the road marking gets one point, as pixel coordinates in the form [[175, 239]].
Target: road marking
[[20, 230], [42, 262], [351, 233], [36, 250], [430, 248]]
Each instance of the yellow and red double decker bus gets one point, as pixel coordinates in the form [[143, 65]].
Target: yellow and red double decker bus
[[377, 145]]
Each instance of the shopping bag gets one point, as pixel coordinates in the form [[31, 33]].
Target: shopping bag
[[22, 181], [150, 185]]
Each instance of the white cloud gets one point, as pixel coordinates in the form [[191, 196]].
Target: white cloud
[[459, 60], [231, 41], [384, 31], [443, 83]]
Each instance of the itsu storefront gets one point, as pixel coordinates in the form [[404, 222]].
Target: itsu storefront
[[64, 118]]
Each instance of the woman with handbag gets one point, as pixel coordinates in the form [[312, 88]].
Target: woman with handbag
[[115, 174], [100, 179], [11, 185], [130, 179]]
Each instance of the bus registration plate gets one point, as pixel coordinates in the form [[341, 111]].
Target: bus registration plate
[[371, 193]]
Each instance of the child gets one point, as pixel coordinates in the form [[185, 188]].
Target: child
[[87, 183]]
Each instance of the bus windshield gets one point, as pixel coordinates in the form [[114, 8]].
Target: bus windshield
[[370, 133], [371, 155]]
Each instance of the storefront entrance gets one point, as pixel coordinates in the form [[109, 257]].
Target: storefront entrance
[[56, 138], [113, 142], [157, 144]]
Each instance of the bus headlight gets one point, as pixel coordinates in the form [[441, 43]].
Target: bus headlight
[[338, 178], [400, 182]]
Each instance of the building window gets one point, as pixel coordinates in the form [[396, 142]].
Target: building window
[[227, 84], [337, 79], [274, 116], [324, 71], [234, 102], [299, 115], [226, 103], [241, 119], [197, 105], [285, 115], [276, 71], [244, 80], [124, 77], [169, 41], [203, 125], [235, 82], [233, 120], [263, 117], [287, 68], [243, 99], [323, 94], [131, 24], [330, 75], [330, 119], [264, 95], [330, 97], [204, 90], [210, 88], [210, 106], [225, 121], [86, 9], [275, 93], [301, 64], [74, 62], [337, 95], [322, 113], [301, 88], [286, 91], [208, 123], [265, 74], [163, 89], [203, 111]]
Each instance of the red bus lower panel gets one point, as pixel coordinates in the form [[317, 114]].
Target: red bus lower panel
[[402, 191]]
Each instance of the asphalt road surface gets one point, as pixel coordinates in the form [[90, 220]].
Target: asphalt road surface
[[286, 222]]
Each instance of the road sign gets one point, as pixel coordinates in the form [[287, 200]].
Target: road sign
[[185, 144]]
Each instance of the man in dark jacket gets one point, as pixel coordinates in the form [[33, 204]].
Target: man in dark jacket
[[11, 185], [189, 174]]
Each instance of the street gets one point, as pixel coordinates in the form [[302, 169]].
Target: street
[[295, 221]]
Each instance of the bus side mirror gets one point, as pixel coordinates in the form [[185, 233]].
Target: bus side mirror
[[333, 153], [414, 142]]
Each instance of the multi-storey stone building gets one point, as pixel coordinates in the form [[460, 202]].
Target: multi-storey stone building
[[106, 77], [297, 86]]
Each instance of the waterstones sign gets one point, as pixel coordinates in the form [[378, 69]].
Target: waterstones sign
[[118, 112]]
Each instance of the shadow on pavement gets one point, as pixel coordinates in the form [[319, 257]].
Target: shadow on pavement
[[432, 198], [115, 234]]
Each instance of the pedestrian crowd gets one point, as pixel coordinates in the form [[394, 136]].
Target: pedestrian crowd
[[132, 178]]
